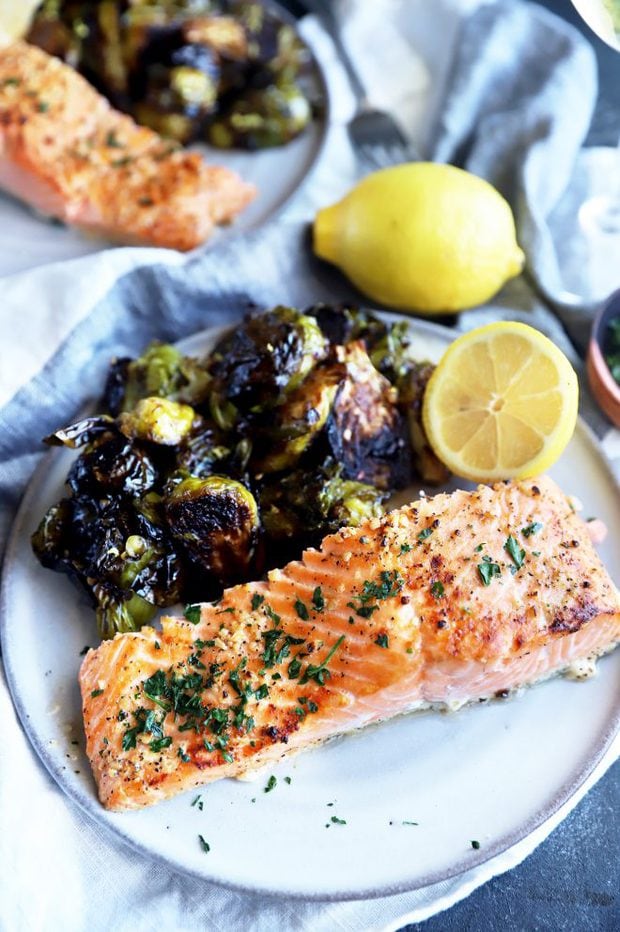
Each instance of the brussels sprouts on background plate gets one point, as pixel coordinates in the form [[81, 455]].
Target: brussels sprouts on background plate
[[203, 473], [228, 72]]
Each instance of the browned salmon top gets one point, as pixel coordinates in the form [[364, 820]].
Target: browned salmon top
[[449, 599]]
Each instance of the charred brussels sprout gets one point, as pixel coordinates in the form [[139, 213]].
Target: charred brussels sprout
[[412, 385], [162, 371], [297, 422], [391, 354], [345, 502], [261, 119], [113, 464], [158, 420], [366, 432], [216, 520], [262, 361], [118, 612], [342, 324], [300, 508], [108, 546], [202, 451]]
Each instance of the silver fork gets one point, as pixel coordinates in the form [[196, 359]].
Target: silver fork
[[374, 134]]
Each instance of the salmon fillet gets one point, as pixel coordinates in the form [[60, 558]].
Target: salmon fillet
[[450, 599], [66, 152]]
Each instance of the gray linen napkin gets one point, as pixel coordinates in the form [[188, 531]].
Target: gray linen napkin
[[505, 117]]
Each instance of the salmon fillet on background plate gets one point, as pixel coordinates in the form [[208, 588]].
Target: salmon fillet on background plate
[[68, 154], [447, 600]]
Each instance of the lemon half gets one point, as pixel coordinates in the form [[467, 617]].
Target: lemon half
[[501, 404]]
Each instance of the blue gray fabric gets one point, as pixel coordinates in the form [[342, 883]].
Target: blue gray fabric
[[518, 107]]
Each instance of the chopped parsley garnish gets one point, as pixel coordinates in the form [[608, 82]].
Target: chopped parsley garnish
[[479, 548], [43, 106], [425, 533], [157, 645], [487, 570], [184, 757], [319, 673], [475, 844], [437, 590], [516, 553], [192, 613], [158, 744], [382, 640], [405, 548], [96, 692], [294, 668], [532, 528], [338, 821], [317, 599], [278, 645], [11, 82], [84, 650], [535, 553], [224, 611], [197, 802], [227, 757], [205, 846], [273, 615], [112, 141], [288, 780], [312, 706], [409, 823], [257, 601], [271, 784], [390, 583], [301, 610]]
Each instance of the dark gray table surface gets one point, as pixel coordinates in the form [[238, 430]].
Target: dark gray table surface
[[572, 881]]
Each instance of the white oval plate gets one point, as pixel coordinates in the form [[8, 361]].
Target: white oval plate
[[491, 773]]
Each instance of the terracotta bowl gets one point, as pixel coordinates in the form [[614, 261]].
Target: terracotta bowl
[[604, 387]]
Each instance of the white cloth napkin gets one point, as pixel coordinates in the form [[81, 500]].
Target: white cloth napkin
[[59, 870]]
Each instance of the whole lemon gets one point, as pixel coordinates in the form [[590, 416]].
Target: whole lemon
[[422, 236]]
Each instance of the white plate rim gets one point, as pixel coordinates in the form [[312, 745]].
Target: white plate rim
[[90, 804]]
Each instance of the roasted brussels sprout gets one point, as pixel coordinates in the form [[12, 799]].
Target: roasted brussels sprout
[[216, 520], [189, 70], [298, 421], [261, 362], [366, 432], [113, 465], [412, 385], [299, 509], [204, 451], [158, 420], [162, 371], [102, 544], [261, 119], [342, 324]]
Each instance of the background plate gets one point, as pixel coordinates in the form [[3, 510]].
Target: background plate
[[493, 772], [278, 174]]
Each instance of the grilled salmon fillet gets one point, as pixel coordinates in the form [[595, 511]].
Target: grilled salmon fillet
[[66, 152], [450, 599]]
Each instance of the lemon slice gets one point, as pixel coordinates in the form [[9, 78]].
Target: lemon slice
[[501, 404]]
